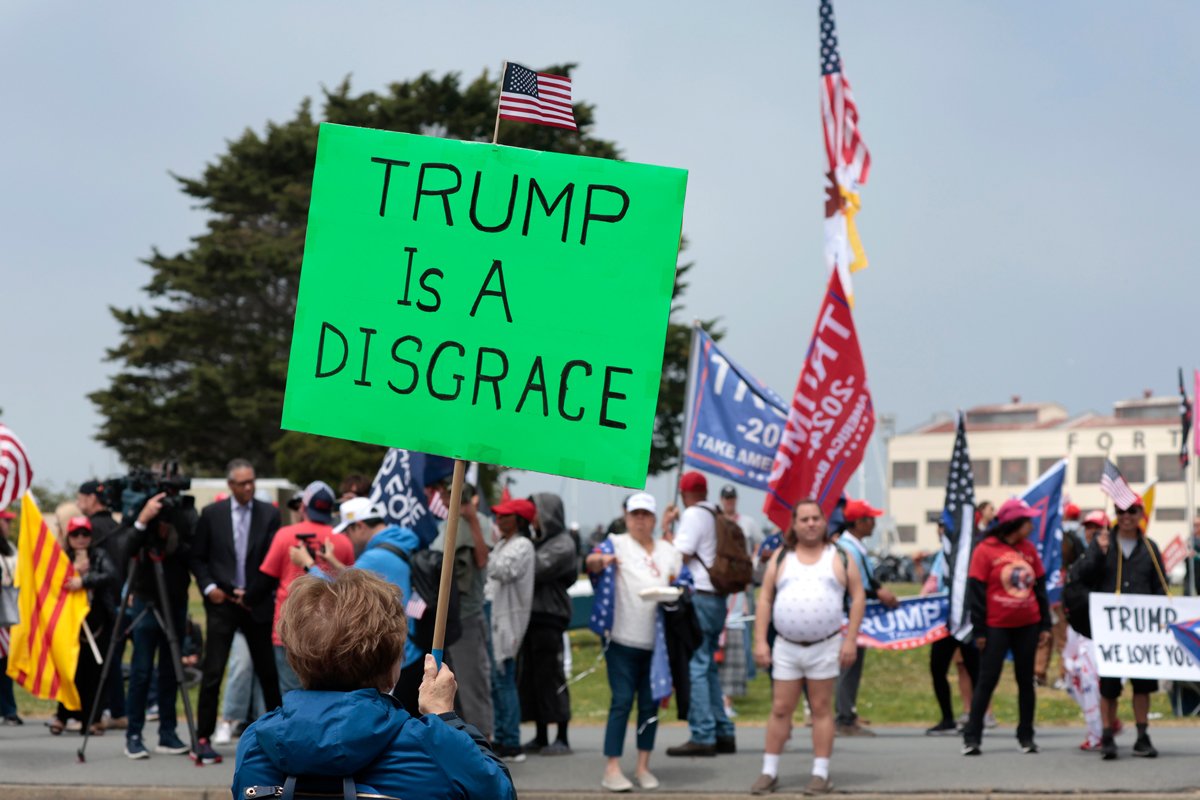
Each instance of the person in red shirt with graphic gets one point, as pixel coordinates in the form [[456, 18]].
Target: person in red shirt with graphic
[[332, 551], [1006, 593]]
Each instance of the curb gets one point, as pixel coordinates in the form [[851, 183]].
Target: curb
[[75, 792]]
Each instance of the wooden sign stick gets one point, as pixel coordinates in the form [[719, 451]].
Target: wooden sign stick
[[448, 550]]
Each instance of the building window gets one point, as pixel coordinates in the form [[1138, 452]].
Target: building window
[[1014, 472], [907, 534], [982, 470], [936, 473], [1168, 468], [1170, 514], [1046, 463], [934, 516], [1088, 469], [1133, 468], [904, 474]]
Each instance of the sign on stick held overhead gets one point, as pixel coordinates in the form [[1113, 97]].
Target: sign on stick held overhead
[[484, 302]]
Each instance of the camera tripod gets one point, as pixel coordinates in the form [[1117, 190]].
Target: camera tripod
[[161, 608]]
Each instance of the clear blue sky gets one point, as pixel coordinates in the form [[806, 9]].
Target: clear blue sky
[[1029, 217]]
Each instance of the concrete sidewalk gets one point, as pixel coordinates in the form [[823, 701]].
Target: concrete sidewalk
[[34, 764]]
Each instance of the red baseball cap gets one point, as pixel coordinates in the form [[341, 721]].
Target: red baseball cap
[[521, 507], [1071, 511], [1098, 518], [79, 523], [7, 514], [1016, 508], [857, 509], [693, 482]]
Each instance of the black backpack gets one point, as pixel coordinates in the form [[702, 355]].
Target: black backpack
[[426, 569], [1075, 600]]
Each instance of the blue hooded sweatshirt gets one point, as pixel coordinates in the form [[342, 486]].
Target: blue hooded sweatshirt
[[391, 568], [368, 736]]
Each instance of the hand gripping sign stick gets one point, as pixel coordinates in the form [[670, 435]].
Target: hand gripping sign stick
[[448, 550]]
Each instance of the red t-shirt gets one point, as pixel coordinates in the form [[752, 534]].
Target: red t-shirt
[[1010, 572], [278, 563]]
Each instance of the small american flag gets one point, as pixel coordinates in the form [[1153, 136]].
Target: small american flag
[[416, 606], [538, 97], [1113, 484]]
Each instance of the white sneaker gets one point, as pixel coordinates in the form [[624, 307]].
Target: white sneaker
[[224, 734], [617, 783]]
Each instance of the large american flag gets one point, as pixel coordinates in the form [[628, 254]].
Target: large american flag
[[958, 516], [848, 160], [538, 97], [16, 475], [1113, 484]]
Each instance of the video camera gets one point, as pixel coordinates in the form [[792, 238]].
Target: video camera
[[130, 493]]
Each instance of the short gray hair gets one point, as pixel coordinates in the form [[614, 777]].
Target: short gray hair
[[236, 464]]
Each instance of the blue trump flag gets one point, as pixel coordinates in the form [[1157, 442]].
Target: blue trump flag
[[734, 420], [399, 488], [1045, 495]]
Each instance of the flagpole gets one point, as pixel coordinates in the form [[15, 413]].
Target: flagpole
[[693, 358], [496, 130], [1189, 574]]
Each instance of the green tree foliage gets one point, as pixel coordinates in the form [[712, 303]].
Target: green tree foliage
[[202, 370]]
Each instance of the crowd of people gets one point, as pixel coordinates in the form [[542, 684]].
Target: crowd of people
[[321, 636]]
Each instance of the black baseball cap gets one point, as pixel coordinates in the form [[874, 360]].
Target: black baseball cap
[[91, 487], [728, 491]]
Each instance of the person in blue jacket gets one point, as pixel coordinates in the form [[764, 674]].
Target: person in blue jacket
[[345, 638], [375, 545]]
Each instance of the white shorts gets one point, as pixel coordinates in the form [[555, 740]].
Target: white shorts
[[791, 662]]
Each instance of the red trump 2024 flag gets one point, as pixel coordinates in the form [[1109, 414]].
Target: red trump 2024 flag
[[830, 418]]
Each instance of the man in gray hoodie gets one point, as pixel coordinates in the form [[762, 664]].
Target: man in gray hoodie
[[540, 665]]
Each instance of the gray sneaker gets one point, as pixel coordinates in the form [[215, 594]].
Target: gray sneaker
[[764, 785], [818, 785]]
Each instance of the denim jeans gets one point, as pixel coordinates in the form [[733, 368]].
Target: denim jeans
[[628, 674], [706, 717], [507, 704], [243, 693], [148, 638], [287, 676], [8, 703]]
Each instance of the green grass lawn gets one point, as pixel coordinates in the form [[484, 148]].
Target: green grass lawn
[[896, 688]]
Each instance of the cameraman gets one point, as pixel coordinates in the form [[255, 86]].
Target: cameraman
[[94, 502], [165, 538]]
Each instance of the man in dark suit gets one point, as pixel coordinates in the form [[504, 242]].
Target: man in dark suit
[[232, 537]]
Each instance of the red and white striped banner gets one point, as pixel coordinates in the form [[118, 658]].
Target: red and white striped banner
[[16, 475]]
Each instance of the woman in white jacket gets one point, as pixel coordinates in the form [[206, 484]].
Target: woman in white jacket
[[510, 589]]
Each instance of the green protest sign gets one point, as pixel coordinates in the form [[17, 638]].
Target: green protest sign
[[485, 302]]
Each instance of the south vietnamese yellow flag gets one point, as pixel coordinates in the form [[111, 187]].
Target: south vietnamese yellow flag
[[45, 645]]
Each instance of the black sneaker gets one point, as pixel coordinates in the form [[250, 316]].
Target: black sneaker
[[971, 749], [533, 746], [944, 728], [13, 719], [204, 753], [726, 744], [510, 753], [135, 748], [1028, 746], [1108, 748], [169, 743], [1143, 748]]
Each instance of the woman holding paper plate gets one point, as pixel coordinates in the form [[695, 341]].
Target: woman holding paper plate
[[643, 570]]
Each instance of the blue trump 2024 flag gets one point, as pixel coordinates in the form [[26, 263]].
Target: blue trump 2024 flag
[[1045, 495], [734, 420], [400, 488]]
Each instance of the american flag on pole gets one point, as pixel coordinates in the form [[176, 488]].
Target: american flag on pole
[[848, 159], [1113, 484], [538, 97], [958, 517], [1185, 419], [15, 473]]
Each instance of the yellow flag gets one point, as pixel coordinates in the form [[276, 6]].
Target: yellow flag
[[1148, 504], [45, 645]]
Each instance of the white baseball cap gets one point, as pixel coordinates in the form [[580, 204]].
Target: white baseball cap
[[356, 509], [642, 501]]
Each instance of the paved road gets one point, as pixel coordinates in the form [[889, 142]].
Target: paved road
[[898, 760]]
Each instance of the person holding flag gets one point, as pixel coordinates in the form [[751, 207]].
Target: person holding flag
[[8, 575], [1009, 611], [1131, 564]]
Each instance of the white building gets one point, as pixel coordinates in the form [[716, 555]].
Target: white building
[[1012, 443]]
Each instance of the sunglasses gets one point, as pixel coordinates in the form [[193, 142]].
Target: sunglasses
[[1134, 510], [80, 532]]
